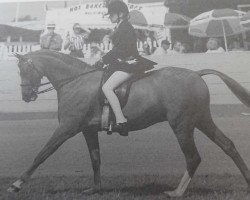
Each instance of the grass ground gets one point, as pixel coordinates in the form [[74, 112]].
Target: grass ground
[[143, 187]]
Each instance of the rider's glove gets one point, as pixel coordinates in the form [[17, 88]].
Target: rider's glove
[[99, 64]]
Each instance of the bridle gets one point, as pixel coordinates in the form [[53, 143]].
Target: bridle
[[30, 63], [65, 81]]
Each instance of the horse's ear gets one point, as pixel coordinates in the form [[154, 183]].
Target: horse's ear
[[19, 56]]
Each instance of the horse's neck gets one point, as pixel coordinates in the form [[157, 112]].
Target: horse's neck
[[55, 69]]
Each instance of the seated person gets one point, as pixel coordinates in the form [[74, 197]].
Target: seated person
[[177, 48], [163, 49], [184, 48], [213, 46], [146, 49]]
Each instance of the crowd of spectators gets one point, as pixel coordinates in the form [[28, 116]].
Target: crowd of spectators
[[151, 46]]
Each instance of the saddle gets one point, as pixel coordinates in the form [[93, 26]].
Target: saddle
[[122, 92]]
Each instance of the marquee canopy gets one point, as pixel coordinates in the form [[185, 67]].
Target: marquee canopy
[[91, 15]]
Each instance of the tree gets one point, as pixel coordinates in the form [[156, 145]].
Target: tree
[[25, 18]]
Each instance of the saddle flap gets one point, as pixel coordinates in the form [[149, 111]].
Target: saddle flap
[[122, 93], [123, 90]]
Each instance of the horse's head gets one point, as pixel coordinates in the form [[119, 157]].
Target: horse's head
[[30, 78]]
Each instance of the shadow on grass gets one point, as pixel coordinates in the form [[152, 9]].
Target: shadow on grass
[[151, 189], [147, 189]]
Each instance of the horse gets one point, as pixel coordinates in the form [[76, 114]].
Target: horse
[[179, 96]]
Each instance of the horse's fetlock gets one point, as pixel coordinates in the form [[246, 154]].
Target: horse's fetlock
[[96, 165]]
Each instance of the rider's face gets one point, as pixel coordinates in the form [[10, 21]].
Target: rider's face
[[114, 18]]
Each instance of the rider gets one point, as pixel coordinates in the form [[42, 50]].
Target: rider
[[121, 60]]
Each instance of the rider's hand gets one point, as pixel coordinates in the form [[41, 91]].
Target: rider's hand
[[99, 64]]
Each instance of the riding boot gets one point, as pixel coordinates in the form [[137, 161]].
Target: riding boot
[[121, 128]]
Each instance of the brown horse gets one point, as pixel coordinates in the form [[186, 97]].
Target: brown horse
[[179, 96]]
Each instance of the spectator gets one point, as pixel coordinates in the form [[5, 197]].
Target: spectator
[[176, 48], [163, 49], [51, 40], [183, 48], [75, 43], [146, 49], [213, 46]]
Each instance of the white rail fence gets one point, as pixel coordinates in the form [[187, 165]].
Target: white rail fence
[[7, 50]]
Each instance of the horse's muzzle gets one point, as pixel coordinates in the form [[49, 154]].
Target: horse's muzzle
[[29, 98]]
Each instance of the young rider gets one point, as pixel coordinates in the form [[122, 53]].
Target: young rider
[[124, 47]]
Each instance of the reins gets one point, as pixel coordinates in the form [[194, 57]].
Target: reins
[[66, 81]]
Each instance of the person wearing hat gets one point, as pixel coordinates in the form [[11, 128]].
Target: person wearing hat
[[76, 42], [51, 40], [123, 60], [163, 49]]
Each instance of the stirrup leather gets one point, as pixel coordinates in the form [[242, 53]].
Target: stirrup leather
[[107, 123]]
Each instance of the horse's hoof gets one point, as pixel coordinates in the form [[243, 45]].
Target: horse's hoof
[[91, 191], [13, 189], [172, 194]]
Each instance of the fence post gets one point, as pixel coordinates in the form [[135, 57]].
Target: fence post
[[102, 46], [8, 39]]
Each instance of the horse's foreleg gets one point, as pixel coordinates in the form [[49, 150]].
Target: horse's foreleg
[[92, 141], [61, 134], [217, 136], [185, 138]]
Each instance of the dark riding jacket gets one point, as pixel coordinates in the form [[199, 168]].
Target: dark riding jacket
[[124, 43], [125, 48]]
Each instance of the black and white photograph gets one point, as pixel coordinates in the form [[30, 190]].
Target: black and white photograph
[[124, 99]]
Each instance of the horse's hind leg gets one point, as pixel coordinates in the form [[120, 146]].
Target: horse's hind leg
[[92, 141], [61, 134], [208, 127], [184, 133]]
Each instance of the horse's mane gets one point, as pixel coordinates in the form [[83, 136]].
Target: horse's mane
[[67, 59]]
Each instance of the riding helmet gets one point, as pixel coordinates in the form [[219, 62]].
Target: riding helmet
[[115, 7]]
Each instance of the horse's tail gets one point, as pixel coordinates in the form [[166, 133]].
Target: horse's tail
[[242, 93]]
